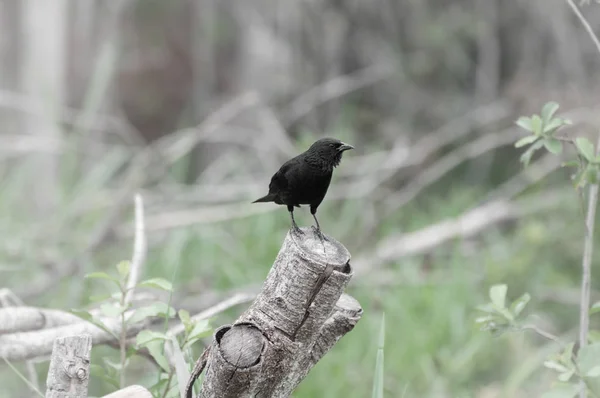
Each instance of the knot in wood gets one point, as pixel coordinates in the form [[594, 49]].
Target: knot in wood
[[242, 345], [81, 373], [76, 369]]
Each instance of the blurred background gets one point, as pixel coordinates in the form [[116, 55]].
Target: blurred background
[[196, 103]]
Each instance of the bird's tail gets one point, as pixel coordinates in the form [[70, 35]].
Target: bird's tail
[[267, 198]]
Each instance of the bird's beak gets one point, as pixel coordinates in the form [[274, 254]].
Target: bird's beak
[[344, 147]]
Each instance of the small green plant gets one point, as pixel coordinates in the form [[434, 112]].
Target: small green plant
[[543, 129], [578, 370], [499, 318], [114, 310]]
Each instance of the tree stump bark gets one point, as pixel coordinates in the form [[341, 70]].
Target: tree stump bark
[[298, 316], [69, 371]]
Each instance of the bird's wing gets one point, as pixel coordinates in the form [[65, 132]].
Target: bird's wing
[[279, 181]]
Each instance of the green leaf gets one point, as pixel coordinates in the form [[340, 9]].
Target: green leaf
[[118, 367], [593, 372], [548, 111], [524, 122], [90, 318], [555, 366], [591, 174], [155, 349], [157, 283], [519, 304], [112, 310], [181, 368], [103, 275], [99, 298], [586, 148], [153, 310], [567, 354], [131, 351], [536, 125], [123, 267], [498, 295], [595, 307], [184, 316], [579, 179], [570, 163], [526, 156], [566, 376], [200, 330], [526, 141], [553, 125], [146, 337], [588, 357], [553, 145], [487, 308], [562, 391]]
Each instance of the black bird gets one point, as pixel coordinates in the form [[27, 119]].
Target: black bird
[[304, 180]]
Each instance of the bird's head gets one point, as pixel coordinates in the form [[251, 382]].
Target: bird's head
[[329, 151]]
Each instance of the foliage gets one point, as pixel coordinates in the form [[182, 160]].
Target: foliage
[[577, 369], [114, 306]]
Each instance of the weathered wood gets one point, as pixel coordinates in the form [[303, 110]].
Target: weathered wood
[[39, 343], [134, 391], [69, 371], [296, 318], [24, 319]]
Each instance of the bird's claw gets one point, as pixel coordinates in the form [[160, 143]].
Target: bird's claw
[[320, 234], [296, 229]]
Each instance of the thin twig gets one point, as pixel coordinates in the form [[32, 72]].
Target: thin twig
[[544, 334], [585, 24], [22, 377]]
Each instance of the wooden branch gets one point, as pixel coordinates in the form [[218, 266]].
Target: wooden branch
[[69, 371], [297, 317], [24, 319], [34, 344]]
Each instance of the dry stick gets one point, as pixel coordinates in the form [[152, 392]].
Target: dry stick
[[584, 318], [446, 164], [469, 223]]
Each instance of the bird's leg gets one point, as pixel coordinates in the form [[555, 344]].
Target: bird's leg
[[322, 237], [295, 227]]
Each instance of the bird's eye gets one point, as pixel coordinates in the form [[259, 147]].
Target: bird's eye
[[332, 145]]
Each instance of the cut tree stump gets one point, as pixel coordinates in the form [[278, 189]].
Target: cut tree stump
[[69, 371], [295, 320]]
